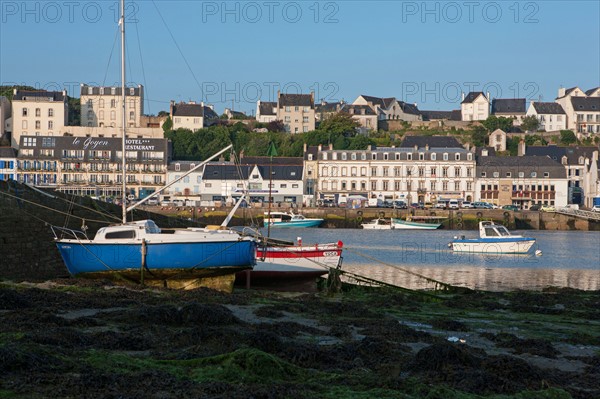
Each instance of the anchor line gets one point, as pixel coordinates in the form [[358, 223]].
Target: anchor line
[[431, 280]]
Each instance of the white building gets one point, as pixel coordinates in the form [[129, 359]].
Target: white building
[[192, 116], [188, 188], [8, 163], [222, 181], [497, 139], [582, 109], [580, 168], [425, 170], [521, 181], [551, 116], [103, 106], [266, 111], [512, 108], [37, 113], [475, 106]]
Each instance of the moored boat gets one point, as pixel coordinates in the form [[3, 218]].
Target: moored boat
[[285, 219], [281, 265], [378, 224], [417, 223], [493, 238]]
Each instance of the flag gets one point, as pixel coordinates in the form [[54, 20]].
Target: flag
[[272, 152]]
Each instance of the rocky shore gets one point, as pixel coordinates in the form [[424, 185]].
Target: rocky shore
[[71, 338]]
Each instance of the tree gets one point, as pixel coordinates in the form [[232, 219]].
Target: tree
[[360, 142], [493, 122], [479, 136], [530, 123], [340, 123], [163, 113], [74, 111], [168, 125], [567, 137]]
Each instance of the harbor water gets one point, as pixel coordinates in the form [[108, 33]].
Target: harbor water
[[568, 258]]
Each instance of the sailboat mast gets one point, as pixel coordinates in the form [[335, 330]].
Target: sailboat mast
[[124, 119]]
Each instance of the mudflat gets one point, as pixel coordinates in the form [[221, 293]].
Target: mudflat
[[71, 338]]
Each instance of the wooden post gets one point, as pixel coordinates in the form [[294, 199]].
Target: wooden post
[[144, 252]]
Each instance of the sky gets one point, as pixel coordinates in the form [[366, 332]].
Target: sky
[[233, 53]]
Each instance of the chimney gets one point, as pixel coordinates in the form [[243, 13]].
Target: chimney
[[369, 147], [320, 147], [561, 92], [484, 152], [330, 146], [426, 147], [241, 153], [416, 147], [488, 96], [463, 96], [305, 148], [522, 149]]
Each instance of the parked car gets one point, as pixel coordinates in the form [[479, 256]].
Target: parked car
[[326, 203], [513, 208], [453, 204], [535, 207], [547, 208], [165, 203], [440, 205], [482, 205], [152, 202], [416, 205], [466, 205], [400, 205], [596, 208]]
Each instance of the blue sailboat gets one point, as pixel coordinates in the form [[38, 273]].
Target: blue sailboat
[[140, 251]]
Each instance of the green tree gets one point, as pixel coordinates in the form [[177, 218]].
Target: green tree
[[74, 114], [360, 142], [168, 125], [163, 113], [493, 122], [479, 136], [339, 123], [567, 137], [530, 123]]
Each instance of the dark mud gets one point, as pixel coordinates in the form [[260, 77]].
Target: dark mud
[[92, 339]]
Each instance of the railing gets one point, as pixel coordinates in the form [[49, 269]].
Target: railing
[[69, 233], [589, 215]]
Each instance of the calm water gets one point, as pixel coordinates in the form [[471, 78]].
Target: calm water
[[569, 258]]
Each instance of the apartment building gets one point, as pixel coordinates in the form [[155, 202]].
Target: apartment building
[[551, 116], [297, 111], [475, 106], [512, 108], [103, 106], [192, 116], [38, 113], [390, 108], [8, 163]]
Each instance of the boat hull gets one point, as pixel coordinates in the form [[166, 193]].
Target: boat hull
[[303, 223], [293, 264], [368, 226], [494, 246], [163, 260], [400, 224]]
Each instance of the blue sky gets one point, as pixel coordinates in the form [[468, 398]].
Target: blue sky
[[420, 52]]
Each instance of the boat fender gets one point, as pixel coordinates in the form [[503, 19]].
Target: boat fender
[[359, 219], [458, 214], [456, 237], [506, 215], [459, 225], [432, 213], [381, 214], [538, 252], [479, 214], [359, 213], [449, 245]]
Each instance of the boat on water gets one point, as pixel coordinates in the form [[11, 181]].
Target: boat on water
[[289, 219], [417, 223], [284, 265], [378, 224], [140, 251], [493, 238]]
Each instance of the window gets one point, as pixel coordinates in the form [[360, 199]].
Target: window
[[120, 234], [421, 156], [177, 167], [457, 171], [208, 185], [38, 124], [287, 109], [409, 156], [294, 186], [29, 141], [546, 174], [50, 112], [483, 174], [521, 174], [433, 156], [533, 174], [113, 103], [283, 186], [24, 124], [496, 174], [50, 125], [353, 156], [457, 157], [386, 156], [445, 171], [433, 171], [38, 112], [131, 115], [305, 119], [469, 157], [508, 174], [344, 156], [113, 115], [445, 156], [24, 112]]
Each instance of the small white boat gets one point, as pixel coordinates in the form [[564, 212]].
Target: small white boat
[[378, 224], [284, 219], [417, 223], [291, 264], [493, 238]]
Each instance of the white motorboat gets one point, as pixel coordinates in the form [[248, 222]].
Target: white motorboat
[[493, 238], [378, 224]]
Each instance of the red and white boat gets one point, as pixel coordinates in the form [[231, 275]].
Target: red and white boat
[[291, 264]]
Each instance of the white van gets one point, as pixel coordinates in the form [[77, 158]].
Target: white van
[[453, 204]]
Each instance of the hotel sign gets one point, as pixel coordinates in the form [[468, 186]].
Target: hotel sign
[[94, 143]]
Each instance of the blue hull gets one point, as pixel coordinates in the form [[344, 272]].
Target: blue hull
[[307, 223], [163, 258]]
